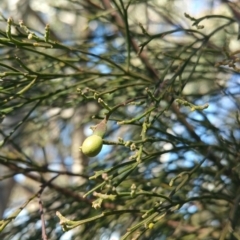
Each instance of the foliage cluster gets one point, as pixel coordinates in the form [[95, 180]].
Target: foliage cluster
[[167, 86]]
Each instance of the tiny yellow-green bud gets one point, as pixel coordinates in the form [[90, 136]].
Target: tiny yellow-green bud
[[92, 146], [150, 225]]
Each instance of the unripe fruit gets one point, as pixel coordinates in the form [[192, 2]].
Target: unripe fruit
[[92, 146]]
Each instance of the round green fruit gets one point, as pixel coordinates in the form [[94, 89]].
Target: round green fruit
[[92, 146]]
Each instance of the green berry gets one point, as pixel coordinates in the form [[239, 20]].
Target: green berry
[[92, 146]]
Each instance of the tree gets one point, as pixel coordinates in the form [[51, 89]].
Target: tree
[[165, 84]]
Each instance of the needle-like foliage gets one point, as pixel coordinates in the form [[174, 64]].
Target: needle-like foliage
[[158, 81]]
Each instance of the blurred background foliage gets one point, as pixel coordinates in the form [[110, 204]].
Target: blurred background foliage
[[170, 165]]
